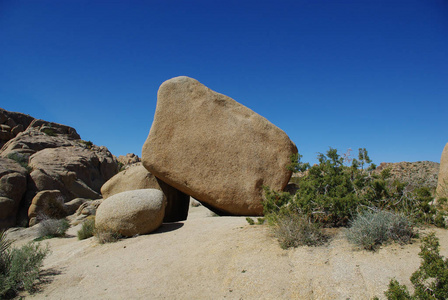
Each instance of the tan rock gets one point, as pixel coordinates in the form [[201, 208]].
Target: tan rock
[[129, 159], [442, 181], [131, 212], [137, 177], [75, 171], [13, 184], [214, 149]]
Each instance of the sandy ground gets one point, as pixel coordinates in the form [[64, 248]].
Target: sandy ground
[[209, 257]]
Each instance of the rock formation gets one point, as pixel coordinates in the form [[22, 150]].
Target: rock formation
[[128, 160], [131, 212], [137, 177], [442, 182], [12, 188], [53, 157], [214, 149]]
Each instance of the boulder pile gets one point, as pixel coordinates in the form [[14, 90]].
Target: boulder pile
[[37, 156]]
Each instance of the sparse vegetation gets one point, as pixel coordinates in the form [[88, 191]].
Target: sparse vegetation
[[21, 159], [19, 267], [430, 281], [50, 228], [106, 236], [87, 144], [339, 188], [250, 221], [372, 229], [293, 230], [88, 228]]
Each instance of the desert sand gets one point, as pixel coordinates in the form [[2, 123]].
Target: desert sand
[[209, 257]]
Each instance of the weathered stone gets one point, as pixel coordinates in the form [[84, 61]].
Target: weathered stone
[[442, 181], [13, 184], [137, 177], [75, 171], [128, 160], [214, 149], [49, 204], [131, 212]]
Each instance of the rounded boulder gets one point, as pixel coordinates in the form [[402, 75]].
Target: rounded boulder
[[131, 212]]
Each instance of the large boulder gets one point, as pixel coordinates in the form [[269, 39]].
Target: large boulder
[[131, 212], [137, 177], [13, 184], [214, 149], [442, 181]]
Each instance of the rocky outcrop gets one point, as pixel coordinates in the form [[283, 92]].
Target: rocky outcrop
[[214, 149], [55, 158], [13, 184], [137, 177], [75, 171], [131, 212], [415, 174], [442, 183], [128, 160]]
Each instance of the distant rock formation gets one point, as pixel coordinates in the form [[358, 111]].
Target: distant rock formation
[[214, 149], [49, 156], [128, 160], [442, 183], [415, 174]]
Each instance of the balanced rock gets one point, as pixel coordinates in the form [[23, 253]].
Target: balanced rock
[[137, 177], [131, 212], [442, 181], [214, 149]]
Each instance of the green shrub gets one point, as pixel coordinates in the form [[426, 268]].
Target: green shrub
[[87, 229], [293, 230], [430, 281], [374, 228], [333, 193], [21, 159], [250, 221], [50, 228], [20, 267]]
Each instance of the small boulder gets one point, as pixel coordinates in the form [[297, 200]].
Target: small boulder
[[132, 212], [137, 177]]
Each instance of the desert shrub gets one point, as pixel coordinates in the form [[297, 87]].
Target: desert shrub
[[50, 228], [430, 281], [371, 229], [87, 229], [293, 230], [21, 159], [250, 221], [106, 236], [19, 267], [332, 192]]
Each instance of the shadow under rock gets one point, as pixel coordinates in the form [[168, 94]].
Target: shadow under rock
[[167, 227]]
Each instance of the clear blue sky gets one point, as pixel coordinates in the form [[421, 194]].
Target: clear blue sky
[[345, 74]]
